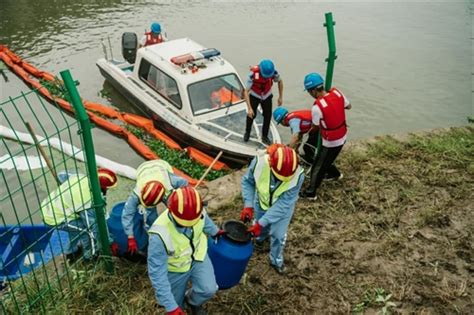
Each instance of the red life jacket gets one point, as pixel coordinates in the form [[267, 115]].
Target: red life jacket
[[260, 85], [305, 119], [333, 121], [151, 40]]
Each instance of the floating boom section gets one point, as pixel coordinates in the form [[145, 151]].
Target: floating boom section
[[23, 69]]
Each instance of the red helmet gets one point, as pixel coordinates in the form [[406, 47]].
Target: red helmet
[[152, 193], [107, 178], [185, 204], [283, 162]]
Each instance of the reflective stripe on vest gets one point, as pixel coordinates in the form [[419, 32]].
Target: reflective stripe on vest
[[153, 170], [262, 175], [333, 119], [151, 40], [260, 85], [64, 203], [305, 119], [181, 250]]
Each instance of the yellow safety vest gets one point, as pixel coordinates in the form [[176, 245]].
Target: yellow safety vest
[[154, 170], [262, 175], [64, 204], [181, 249]]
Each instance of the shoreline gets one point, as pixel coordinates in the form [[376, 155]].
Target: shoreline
[[396, 234]]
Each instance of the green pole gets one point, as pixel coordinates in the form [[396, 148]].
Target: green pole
[[86, 134], [329, 25], [332, 50]]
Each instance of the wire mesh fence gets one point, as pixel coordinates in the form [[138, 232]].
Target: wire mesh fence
[[52, 223]]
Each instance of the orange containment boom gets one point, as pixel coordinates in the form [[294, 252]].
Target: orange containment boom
[[24, 69]]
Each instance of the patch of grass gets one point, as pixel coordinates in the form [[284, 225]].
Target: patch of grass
[[376, 298], [178, 159], [56, 88], [387, 147]]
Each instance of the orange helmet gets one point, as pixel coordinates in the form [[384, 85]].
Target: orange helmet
[[283, 162], [152, 193], [107, 178], [185, 204]]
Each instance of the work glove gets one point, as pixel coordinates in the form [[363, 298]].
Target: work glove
[[114, 249], [246, 215], [176, 311], [132, 245], [219, 234], [256, 229]]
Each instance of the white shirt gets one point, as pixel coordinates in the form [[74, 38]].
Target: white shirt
[[317, 115]]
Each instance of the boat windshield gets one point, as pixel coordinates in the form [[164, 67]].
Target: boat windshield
[[215, 93]]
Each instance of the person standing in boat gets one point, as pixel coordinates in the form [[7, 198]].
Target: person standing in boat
[[258, 91], [328, 115], [69, 208], [177, 253], [300, 123], [270, 189], [155, 181], [152, 37]]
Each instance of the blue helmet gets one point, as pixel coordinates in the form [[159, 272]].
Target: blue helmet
[[279, 114], [267, 68], [312, 80], [156, 28]]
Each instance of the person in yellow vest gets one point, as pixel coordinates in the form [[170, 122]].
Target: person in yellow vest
[[177, 253], [69, 208], [155, 181], [270, 189]]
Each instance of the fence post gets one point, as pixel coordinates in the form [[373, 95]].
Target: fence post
[[332, 50], [86, 135], [329, 25]]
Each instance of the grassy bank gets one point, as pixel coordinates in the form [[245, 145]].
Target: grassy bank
[[395, 235]]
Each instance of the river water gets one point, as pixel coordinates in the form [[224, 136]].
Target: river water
[[404, 66]]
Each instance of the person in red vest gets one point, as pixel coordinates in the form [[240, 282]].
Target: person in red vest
[[300, 123], [258, 91], [153, 37], [328, 115]]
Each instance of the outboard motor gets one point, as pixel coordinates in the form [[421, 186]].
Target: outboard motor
[[129, 46]]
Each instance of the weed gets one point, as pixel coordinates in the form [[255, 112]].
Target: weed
[[376, 298], [178, 159]]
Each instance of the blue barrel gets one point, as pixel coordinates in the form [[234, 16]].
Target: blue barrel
[[114, 223], [230, 254]]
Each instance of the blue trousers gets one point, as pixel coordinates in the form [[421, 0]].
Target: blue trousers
[[277, 232], [203, 281], [84, 231]]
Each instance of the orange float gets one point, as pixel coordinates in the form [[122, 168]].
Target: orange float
[[23, 69]]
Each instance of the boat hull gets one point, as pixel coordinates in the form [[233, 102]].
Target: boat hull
[[233, 159]]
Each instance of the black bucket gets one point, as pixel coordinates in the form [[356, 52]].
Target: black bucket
[[236, 231]]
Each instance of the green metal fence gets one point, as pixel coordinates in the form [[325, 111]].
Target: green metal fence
[[36, 261]]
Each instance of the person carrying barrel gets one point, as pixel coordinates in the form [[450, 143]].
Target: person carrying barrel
[[258, 91], [177, 253], [155, 181], [329, 117], [152, 37], [69, 208], [270, 190], [300, 123]]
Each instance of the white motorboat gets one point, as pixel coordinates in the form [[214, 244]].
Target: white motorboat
[[191, 93]]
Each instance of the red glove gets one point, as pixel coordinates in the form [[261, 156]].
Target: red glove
[[114, 248], [219, 234], [256, 229], [176, 311], [132, 245], [246, 214]]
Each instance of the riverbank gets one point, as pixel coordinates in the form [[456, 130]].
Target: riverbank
[[396, 234]]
